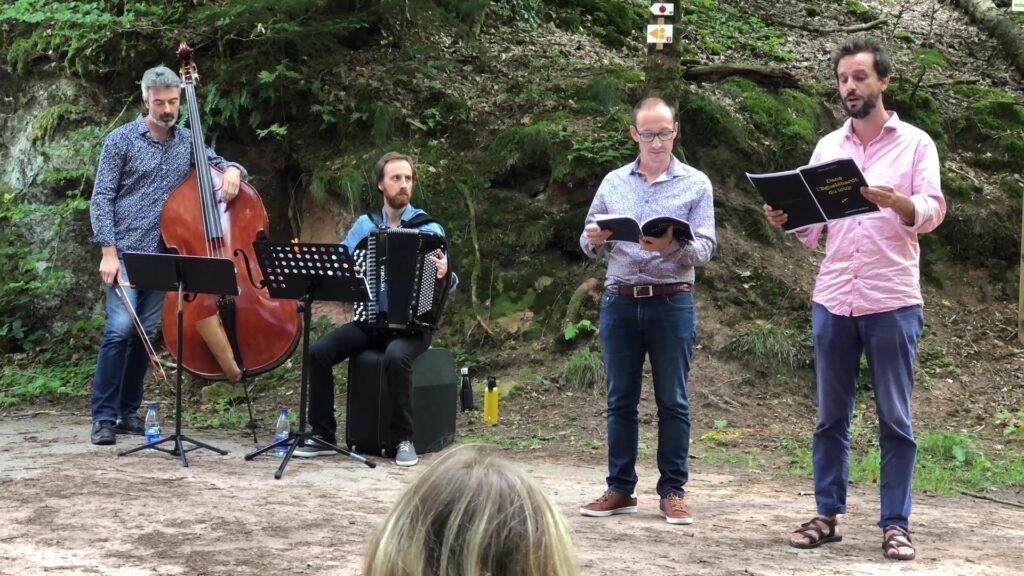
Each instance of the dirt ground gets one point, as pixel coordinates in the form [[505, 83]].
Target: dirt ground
[[72, 508]]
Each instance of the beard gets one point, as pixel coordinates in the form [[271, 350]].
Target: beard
[[164, 120], [867, 105], [398, 202]]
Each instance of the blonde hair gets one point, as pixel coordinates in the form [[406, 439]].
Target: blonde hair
[[472, 514]]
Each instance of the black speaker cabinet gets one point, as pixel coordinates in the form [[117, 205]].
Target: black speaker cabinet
[[435, 386]]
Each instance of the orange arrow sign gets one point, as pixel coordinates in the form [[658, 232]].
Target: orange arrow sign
[[658, 34]]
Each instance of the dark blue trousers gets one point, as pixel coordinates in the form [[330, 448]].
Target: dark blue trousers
[[889, 340], [662, 328]]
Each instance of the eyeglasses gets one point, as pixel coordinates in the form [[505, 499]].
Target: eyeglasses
[[664, 135]]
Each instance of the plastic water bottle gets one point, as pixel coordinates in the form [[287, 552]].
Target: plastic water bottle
[[281, 431], [152, 424], [467, 391], [491, 402]]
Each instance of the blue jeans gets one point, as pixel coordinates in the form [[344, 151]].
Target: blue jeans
[[889, 340], [664, 328], [122, 361]]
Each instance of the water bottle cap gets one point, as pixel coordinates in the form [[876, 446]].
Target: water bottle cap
[[283, 410], [152, 405], [491, 383], [465, 371]]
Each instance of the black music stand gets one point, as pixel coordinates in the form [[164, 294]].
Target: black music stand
[[308, 272], [181, 274]]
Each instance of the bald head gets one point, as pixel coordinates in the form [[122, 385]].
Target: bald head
[[653, 103]]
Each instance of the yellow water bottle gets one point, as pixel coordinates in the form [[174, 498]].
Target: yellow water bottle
[[491, 402]]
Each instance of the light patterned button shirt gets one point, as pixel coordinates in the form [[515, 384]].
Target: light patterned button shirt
[[683, 192], [872, 262]]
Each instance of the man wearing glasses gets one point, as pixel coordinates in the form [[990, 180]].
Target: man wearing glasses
[[648, 308]]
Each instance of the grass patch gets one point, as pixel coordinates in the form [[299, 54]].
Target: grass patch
[[764, 344], [947, 462], [584, 369]]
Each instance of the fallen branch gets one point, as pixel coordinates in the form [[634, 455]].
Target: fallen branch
[[954, 82], [760, 74], [992, 499], [819, 30], [1005, 31]]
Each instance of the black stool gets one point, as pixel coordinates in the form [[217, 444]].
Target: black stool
[[435, 385]]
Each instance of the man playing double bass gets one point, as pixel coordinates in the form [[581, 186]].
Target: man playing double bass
[[141, 163]]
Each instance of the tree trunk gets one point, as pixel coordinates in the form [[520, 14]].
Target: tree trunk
[[663, 68], [1005, 31]]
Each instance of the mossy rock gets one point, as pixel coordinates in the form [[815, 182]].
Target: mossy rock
[[859, 12], [614, 22], [993, 123], [787, 118], [921, 111], [958, 188]]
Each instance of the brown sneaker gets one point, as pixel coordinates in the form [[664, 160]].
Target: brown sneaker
[[610, 503], [674, 509]]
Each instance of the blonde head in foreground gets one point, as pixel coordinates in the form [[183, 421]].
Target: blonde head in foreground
[[472, 514]]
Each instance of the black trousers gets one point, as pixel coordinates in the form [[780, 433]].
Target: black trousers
[[400, 351]]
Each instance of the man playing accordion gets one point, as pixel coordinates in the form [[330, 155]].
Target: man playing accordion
[[395, 174]]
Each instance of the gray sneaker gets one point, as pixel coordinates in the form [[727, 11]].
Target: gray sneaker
[[308, 448], [406, 454]]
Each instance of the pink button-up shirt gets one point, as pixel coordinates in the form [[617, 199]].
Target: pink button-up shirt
[[871, 262]]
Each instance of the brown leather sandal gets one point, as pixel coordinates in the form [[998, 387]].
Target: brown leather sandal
[[896, 537], [815, 532]]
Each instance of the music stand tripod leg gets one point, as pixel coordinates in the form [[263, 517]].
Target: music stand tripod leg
[[179, 448], [306, 306]]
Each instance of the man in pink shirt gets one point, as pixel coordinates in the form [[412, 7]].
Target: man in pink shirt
[[867, 297]]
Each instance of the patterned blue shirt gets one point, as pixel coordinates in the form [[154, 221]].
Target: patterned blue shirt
[[136, 175], [682, 191]]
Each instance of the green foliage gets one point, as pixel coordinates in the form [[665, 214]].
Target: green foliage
[[47, 122], [52, 373], [1012, 187], [614, 22], [767, 345], [348, 183], [713, 27], [946, 462], [993, 122], [574, 329], [859, 12], [548, 143], [526, 13], [789, 118], [1012, 422], [921, 110], [584, 369], [933, 359], [930, 58], [29, 274]]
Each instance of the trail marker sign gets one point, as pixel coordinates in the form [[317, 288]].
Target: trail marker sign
[[659, 33], [666, 8]]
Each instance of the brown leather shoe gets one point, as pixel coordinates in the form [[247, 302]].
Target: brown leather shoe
[[674, 509], [609, 503]]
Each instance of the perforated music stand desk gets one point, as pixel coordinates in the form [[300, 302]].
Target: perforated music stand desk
[[184, 275], [308, 272]]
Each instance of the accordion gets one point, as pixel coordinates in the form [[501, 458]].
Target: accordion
[[405, 292]]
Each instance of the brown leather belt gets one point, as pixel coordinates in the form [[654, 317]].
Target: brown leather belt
[[648, 290]]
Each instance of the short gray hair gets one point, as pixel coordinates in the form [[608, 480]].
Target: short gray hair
[[159, 77]]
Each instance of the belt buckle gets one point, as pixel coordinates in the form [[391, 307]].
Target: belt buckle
[[645, 291]]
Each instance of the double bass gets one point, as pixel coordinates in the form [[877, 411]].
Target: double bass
[[228, 336]]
